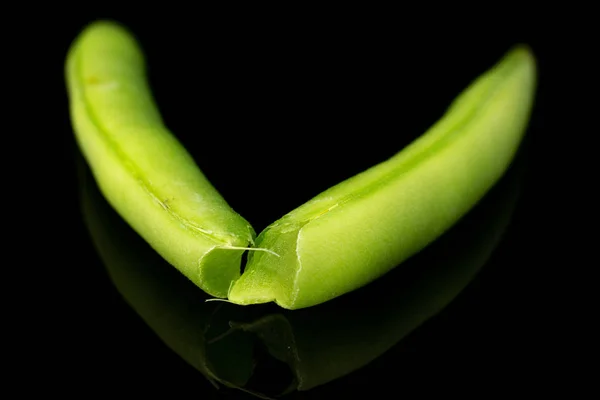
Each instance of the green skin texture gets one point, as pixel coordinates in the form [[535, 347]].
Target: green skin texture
[[141, 168], [337, 242], [360, 229]]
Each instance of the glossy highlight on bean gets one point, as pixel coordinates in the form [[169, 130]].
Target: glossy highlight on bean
[[342, 239]]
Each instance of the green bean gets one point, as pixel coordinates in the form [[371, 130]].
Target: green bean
[[142, 169], [340, 240], [360, 229]]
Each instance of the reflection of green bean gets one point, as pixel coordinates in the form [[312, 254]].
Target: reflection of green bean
[[360, 229], [326, 342], [143, 171], [320, 343]]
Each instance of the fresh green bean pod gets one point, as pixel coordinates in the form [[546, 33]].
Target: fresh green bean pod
[[142, 169], [358, 230]]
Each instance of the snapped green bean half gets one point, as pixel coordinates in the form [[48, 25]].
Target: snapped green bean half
[[142, 169], [358, 230], [340, 240]]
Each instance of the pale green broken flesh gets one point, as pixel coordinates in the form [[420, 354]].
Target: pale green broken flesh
[[358, 230], [141, 168]]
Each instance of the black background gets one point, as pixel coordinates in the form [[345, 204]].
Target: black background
[[275, 110]]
